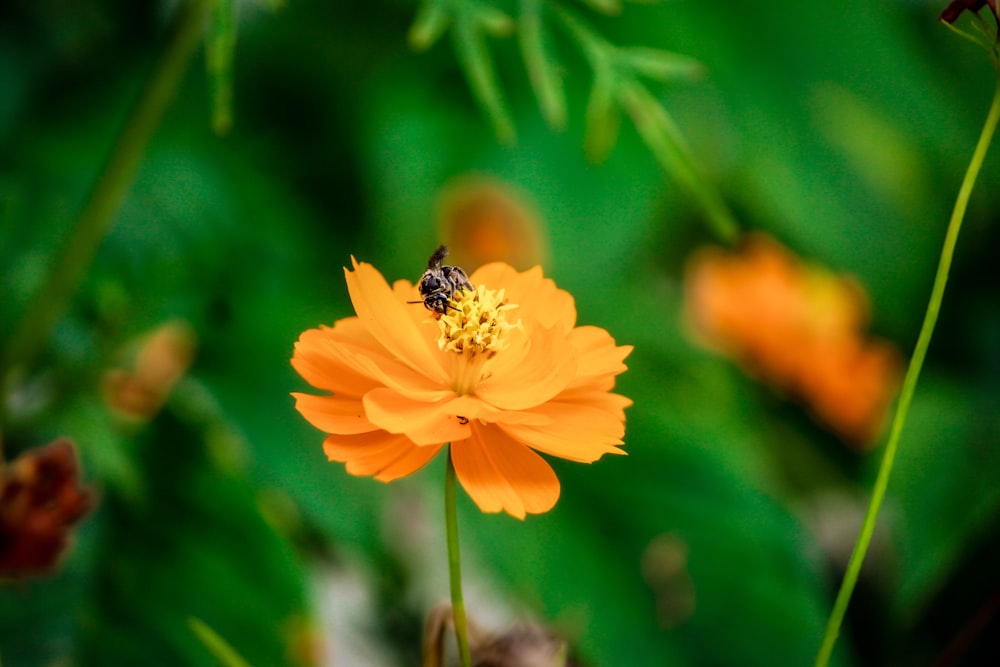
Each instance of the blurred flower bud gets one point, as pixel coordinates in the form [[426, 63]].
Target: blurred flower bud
[[665, 569], [523, 645], [162, 358], [484, 220], [41, 500]]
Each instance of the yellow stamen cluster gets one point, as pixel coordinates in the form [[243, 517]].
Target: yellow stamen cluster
[[475, 322]]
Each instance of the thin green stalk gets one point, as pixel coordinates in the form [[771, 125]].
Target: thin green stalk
[[909, 384], [70, 263], [215, 644], [455, 565]]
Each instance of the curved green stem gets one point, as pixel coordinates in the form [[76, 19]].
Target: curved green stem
[[70, 264], [909, 384], [455, 565]]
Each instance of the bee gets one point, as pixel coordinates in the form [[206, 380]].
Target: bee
[[439, 283]]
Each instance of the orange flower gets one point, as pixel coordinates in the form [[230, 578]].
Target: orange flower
[[503, 373], [798, 327]]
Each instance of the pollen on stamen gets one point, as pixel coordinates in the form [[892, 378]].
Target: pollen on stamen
[[475, 322]]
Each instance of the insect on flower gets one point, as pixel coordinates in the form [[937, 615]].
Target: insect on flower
[[439, 283], [502, 377]]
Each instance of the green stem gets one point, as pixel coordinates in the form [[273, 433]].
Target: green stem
[[455, 565], [70, 264], [909, 384]]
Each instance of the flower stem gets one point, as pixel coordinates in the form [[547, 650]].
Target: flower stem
[[455, 566], [909, 384], [70, 264]]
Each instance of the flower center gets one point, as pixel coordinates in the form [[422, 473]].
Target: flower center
[[474, 326]]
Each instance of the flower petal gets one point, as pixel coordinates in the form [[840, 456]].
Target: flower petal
[[500, 474], [596, 397], [424, 422], [346, 359], [422, 318], [317, 360], [343, 416], [392, 373], [378, 453], [520, 382], [411, 461], [577, 432], [388, 321], [537, 298], [598, 355]]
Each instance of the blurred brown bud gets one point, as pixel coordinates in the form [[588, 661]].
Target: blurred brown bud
[[484, 220], [523, 645], [665, 569], [162, 358], [41, 500], [304, 641]]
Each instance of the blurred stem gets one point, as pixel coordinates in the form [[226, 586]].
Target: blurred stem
[[216, 645], [909, 384], [71, 262], [455, 565]]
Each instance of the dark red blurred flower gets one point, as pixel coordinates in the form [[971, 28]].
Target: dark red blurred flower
[[41, 500], [955, 9]]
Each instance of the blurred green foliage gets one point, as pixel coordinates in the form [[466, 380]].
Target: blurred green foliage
[[842, 128]]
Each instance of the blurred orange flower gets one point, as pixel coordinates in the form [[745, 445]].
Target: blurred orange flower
[[503, 374], [40, 501], [484, 220], [161, 360], [798, 327]]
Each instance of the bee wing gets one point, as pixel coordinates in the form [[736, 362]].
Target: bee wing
[[434, 262]]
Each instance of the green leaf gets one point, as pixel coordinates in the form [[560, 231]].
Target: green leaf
[[493, 21], [105, 450], [609, 7], [660, 65], [171, 557], [476, 61], [430, 23], [666, 142], [603, 117], [943, 487], [545, 79]]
